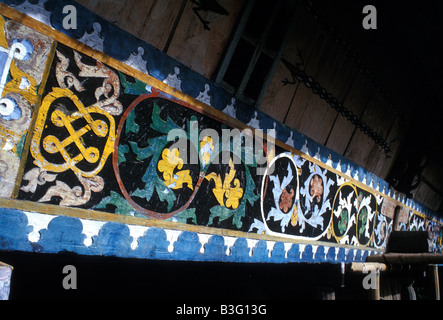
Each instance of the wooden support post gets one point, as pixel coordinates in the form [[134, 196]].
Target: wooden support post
[[433, 270], [375, 293], [374, 269], [5, 280]]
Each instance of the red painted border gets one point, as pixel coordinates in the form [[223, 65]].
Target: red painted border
[[140, 209]]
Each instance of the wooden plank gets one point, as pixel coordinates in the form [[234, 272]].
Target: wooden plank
[[299, 113], [201, 49], [309, 38], [122, 17], [308, 113], [277, 57], [332, 69], [144, 19], [388, 208], [424, 194], [356, 100], [432, 172], [303, 43], [328, 63], [318, 119], [158, 25], [278, 97], [328, 66], [90, 4], [320, 67], [394, 139], [150, 20], [328, 74], [382, 123], [362, 149], [114, 11], [379, 117], [300, 38], [336, 76]]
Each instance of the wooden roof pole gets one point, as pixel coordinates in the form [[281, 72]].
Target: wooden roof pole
[[407, 258]]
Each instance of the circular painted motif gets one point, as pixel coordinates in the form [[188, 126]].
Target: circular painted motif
[[380, 236], [156, 176], [280, 196], [366, 216], [316, 188], [344, 212]]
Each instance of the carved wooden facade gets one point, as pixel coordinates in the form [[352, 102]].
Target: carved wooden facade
[[89, 165]]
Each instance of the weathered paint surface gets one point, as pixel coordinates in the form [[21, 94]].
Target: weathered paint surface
[[23, 57], [106, 180], [5, 280], [35, 232]]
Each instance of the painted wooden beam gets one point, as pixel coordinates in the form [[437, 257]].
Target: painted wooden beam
[[5, 280]]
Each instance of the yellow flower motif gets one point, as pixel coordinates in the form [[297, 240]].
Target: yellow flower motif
[[222, 189], [206, 147], [170, 161]]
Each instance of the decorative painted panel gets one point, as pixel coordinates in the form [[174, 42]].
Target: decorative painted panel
[[121, 160], [102, 142], [23, 56]]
